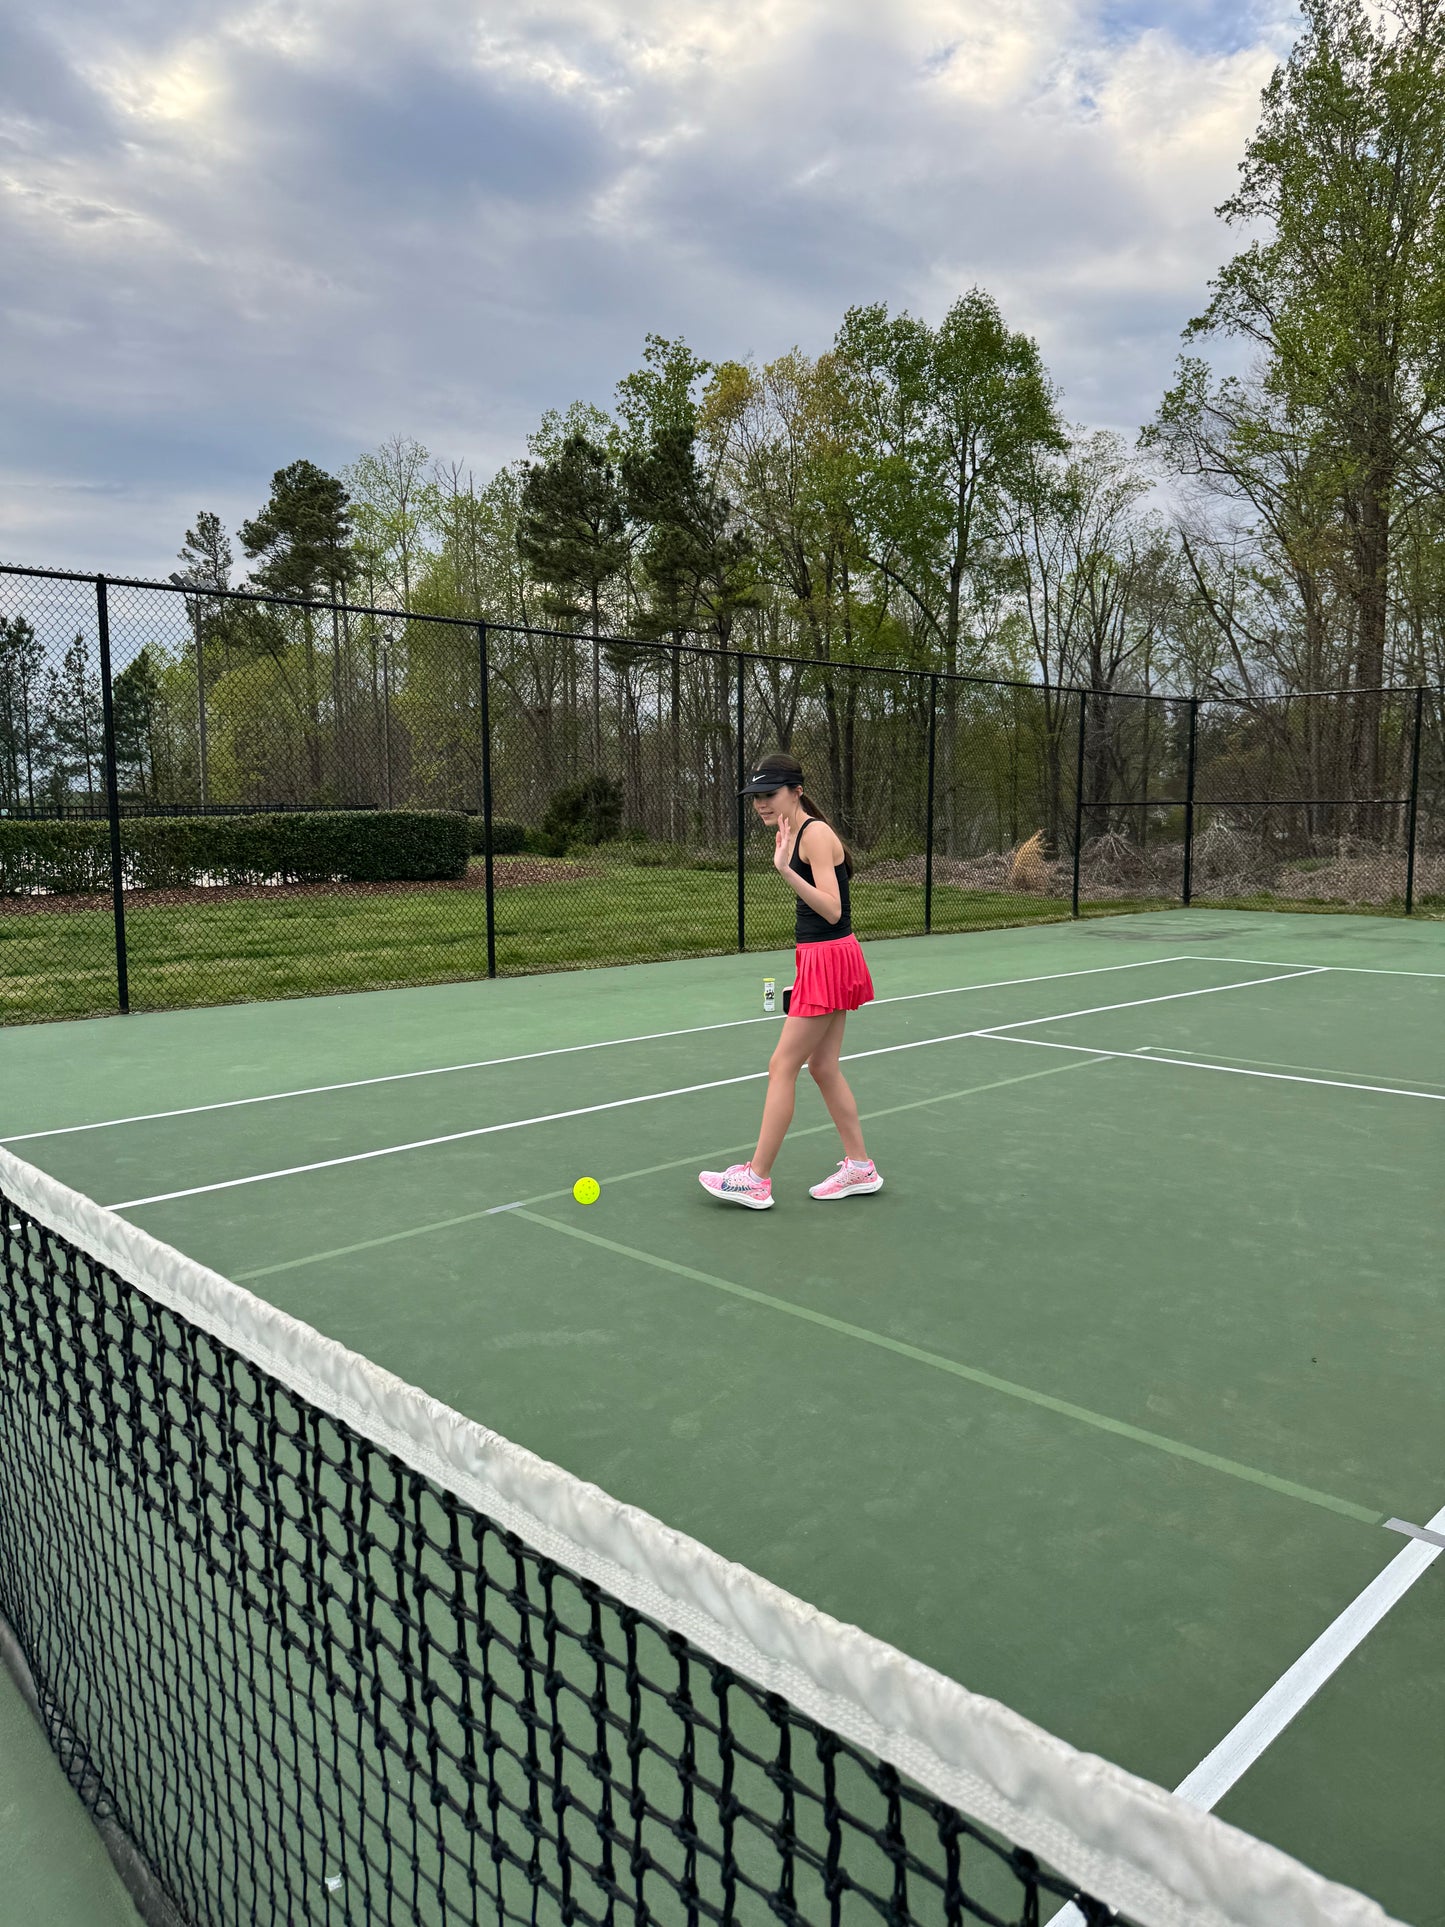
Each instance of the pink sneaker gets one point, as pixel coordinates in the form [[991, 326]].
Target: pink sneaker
[[850, 1180], [739, 1184]]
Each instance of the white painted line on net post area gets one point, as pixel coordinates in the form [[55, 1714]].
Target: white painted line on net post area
[[653, 1097], [1227, 1763], [561, 1050]]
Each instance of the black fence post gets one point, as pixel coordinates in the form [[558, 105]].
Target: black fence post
[[112, 797], [928, 845], [1189, 803], [201, 744], [742, 774], [1079, 797], [1413, 816], [486, 722]]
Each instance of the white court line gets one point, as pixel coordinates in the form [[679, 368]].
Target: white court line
[[1278, 1064], [685, 1090], [1247, 1739], [563, 1050], [1142, 1056], [1351, 970]]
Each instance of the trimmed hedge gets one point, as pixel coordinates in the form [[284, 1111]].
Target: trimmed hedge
[[508, 839], [179, 852]]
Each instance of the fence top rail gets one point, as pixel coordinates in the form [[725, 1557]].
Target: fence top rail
[[198, 592]]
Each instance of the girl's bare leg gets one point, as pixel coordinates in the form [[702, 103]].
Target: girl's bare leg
[[801, 1036], [828, 1076]]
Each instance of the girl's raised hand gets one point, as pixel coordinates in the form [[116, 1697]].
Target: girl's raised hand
[[780, 848]]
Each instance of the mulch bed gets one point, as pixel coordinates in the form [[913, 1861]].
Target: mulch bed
[[509, 873]]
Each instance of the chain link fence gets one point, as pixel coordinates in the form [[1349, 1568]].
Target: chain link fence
[[210, 797]]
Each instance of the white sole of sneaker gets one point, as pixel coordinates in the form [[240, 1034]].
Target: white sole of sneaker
[[853, 1191], [734, 1197]]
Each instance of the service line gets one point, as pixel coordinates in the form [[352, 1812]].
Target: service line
[[683, 1090], [561, 1050], [1144, 1055]]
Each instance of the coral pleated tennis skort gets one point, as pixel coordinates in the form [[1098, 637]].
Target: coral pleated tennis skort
[[831, 976]]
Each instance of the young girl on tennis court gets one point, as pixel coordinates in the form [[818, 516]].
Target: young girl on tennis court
[[832, 979]]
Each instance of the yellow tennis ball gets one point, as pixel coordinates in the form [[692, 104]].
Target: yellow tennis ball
[[587, 1190]]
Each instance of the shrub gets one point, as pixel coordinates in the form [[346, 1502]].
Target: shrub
[[585, 812], [72, 858], [177, 852], [508, 839]]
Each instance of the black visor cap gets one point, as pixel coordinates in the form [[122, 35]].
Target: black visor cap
[[767, 782]]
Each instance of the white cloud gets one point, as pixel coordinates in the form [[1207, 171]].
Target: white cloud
[[235, 234]]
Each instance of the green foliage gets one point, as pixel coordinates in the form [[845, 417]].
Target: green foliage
[[178, 852], [302, 537], [136, 699], [389, 508], [947, 424], [572, 534], [508, 839], [206, 554], [585, 812], [1340, 292]]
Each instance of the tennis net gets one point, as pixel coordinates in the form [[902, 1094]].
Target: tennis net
[[313, 1647]]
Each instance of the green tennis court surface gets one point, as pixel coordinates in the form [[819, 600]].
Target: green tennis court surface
[[1101, 1407]]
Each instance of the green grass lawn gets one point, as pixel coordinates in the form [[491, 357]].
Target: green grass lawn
[[63, 965]]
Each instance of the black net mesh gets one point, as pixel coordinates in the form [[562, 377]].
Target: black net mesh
[[307, 1683], [1305, 800], [612, 770], [1427, 878], [616, 834], [1004, 804], [57, 939], [1132, 797]]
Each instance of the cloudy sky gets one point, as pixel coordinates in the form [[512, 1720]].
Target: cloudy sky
[[236, 233]]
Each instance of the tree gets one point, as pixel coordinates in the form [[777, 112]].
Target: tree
[[1344, 291], [302, 539], [785, 436], [948, 427], [1241, 442], [572, 535], [206, 554], [135, 700], [389, 511], [21, 718], [695, 564], [948, 424], [1097, 588], [74, 724]]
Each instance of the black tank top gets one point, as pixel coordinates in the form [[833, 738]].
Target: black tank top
[[811, 927]]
